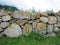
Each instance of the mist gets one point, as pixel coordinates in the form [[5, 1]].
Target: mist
[[42, 5]]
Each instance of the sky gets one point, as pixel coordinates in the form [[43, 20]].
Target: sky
[[42, 5]]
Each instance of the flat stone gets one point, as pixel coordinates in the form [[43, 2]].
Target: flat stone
[[4, 24], [41, 28], [49, 28], [21, 22], [27, 28], [13, 30], [6, 18], [21, 15], [52, 20], [44, 19]]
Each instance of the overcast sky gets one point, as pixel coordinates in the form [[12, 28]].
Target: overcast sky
[[37, 4]]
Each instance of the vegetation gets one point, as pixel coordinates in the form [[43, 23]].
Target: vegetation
[[32, 39], [8, 8]]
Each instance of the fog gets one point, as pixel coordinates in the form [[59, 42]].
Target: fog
[[42, 5]]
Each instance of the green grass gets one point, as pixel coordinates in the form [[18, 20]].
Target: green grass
[[30, 41]]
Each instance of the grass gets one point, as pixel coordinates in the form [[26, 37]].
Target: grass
[[30, 40]]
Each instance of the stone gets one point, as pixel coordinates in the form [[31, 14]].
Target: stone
[[49, 28], [6, 18], [0, 20], [13, 30], [2, 12], [40, 28], [44, 14], [27, 28], [0, 28], [56, 29], [52, 20], [34, 24], [33, 15], [37, 15], [21, 15], [58, 24], [52, 34], [21, 22], [4, 24], [50, 12], [44, 19], [58, 17]]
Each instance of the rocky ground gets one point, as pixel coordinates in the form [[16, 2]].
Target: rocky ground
[[14, 24]]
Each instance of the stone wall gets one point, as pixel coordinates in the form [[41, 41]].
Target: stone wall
[[14, 24]]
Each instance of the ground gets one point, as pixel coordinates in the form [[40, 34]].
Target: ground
[[29, 41]]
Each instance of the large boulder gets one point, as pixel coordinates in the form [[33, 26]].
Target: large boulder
[[40, 28], [44, 19], [21, 15], [52, 20], [13, 30], [27, 28]]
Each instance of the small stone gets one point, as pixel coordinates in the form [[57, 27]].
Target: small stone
[[21, 22], [4, 24], [44, 19], [6, 18], [27, 28], [56, 29], [52, 20], [21, 15], [13, 30], [41, 28], [49, 28], [52, 34]]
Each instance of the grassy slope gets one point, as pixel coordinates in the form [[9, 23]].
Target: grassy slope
[[29, 41]]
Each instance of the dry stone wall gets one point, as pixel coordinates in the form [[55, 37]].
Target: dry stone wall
[[14, 24]]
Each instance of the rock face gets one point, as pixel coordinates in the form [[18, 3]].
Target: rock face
[[52, 20], [6, 18], [14, 24], [21, 15], [13, 30], [41, 28]]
